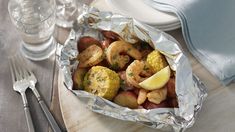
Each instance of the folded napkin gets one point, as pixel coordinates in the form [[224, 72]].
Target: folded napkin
[[209, 31]]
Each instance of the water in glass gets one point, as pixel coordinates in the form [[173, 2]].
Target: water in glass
[[35, 20]]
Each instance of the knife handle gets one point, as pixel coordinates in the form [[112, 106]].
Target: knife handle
[[46, 112]]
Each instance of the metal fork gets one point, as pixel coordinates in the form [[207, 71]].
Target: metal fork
[[20, 85], [24, 78]]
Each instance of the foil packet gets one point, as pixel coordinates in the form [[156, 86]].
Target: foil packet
[[190, 91]]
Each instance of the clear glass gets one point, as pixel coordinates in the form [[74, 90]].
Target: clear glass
[[66, 12], [35, 21]]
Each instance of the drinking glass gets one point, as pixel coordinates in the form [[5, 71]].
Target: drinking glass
[[35, 21], [66, 12]]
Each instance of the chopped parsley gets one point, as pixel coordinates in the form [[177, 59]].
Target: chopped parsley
[[130, 74], [115, 66], [145, 45], [122, 82], [88, 82], [115, 57], [100, 79], [105, 50], [146, 68]]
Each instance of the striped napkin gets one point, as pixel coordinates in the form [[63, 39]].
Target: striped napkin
[[209, 30]]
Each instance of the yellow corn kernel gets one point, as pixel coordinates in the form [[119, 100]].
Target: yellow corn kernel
[[156, 61], [102, 82]]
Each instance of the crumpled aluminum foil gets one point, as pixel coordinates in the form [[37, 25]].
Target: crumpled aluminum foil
[[190, 91]]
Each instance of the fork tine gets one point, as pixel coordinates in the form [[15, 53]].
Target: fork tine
[[20, 67], [26, 67], [29, 71], [15, 69], [12, 71]]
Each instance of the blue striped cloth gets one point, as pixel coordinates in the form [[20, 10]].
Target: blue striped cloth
[[209, 30]]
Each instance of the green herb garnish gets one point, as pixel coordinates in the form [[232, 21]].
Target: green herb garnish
[[115, 66], [146, 68], [130, 74]]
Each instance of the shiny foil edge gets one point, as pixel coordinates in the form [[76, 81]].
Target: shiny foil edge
[[190, 91]]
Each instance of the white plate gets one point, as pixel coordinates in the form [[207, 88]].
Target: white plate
[[169, 25], [168, 28], [142, 12]]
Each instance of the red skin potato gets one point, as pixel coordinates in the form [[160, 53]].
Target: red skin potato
[[126, 99], [111, 35], [149, 105], [173, 102], [105, 43], [136, 91], [171, 88], [85, 42]]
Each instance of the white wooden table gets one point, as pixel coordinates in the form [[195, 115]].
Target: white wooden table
[[12, 118], [217, 114]]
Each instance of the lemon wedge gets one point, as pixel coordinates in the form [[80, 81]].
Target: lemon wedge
[[158, 80]]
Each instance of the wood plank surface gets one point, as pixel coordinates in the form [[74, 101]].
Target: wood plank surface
[[12, 118], [217, 114]]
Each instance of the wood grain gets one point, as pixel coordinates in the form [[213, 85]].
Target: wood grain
[[12, 118], [55, 106]]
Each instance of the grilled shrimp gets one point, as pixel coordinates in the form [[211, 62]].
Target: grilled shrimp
[[118, 60], [124, 84], [133, 72], [90, 56]]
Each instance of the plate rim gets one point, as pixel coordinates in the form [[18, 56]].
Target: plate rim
[[116, 9]]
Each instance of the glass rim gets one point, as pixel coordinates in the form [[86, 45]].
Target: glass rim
[[53, 7]]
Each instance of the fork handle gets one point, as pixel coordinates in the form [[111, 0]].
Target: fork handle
[[28, 119], [46, 111], [27, 113]]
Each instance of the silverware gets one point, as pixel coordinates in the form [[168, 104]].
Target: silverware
[[29, 80], [20, 84]]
